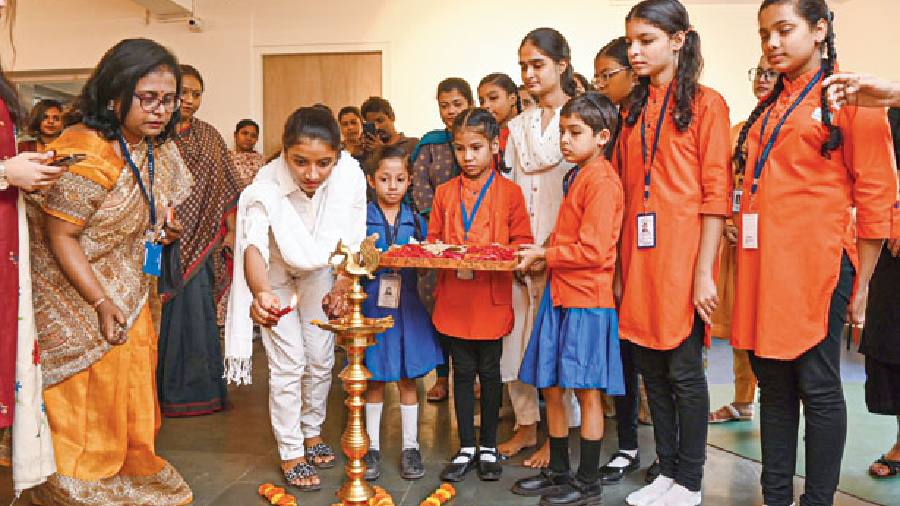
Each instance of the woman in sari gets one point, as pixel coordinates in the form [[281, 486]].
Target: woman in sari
[[189, 377], [94, 293]]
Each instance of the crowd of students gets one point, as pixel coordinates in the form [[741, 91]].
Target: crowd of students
[[643, 223]]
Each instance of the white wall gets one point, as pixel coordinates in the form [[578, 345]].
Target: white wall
[[424, 41]]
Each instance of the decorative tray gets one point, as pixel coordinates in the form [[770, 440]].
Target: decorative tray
[[448, 256]]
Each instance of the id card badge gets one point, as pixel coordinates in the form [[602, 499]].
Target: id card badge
[[153, 258], [736, 201], [465, 274], [646, 230], [750, 231], [389, 291]]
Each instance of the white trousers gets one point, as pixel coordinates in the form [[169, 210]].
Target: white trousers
[[301, 357]]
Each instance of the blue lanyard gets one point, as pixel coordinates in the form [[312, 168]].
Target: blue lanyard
[[391, 231], [137, 175], [569, 179], [764, 156], [468, 219], [659, 125]]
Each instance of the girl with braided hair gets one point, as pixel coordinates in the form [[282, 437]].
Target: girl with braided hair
[[674, 158], [803, 168]]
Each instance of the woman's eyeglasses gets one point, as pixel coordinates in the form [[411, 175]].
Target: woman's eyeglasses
[[606, 75], [762, 74], [151, 102]]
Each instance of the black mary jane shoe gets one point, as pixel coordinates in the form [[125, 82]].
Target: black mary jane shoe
[[487, 470], [454, 471], [610, 475], [576, 493], [546, 482]]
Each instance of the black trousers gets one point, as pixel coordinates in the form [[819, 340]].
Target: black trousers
[[679, 402], [471, 357], [814, 378], [627, 405]]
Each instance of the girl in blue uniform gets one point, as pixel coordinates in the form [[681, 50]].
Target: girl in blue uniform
[[410, 349]]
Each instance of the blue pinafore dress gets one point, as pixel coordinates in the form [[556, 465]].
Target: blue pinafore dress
[[410, 349]]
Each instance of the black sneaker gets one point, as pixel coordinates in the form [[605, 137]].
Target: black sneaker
[[372, 460], [411, 467]]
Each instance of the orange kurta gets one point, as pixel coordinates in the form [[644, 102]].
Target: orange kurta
[[690, 177], [581, 255], [784, 288], [480, 308]]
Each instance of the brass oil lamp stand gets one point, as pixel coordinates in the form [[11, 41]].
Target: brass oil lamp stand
[[355, 333]]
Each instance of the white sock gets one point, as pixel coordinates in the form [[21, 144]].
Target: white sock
[[373, 424], [488, 457], [678, 495], [621, 461], [650, 493], [468, 452], [409, 419]]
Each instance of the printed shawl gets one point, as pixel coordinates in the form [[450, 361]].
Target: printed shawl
[[214, 195]]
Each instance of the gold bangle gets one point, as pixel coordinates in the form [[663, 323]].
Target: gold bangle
[[98, 302]]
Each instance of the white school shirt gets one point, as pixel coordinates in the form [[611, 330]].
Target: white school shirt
[[538, 168], [288, 227]]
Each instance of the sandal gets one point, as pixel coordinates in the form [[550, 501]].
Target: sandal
[[320, 450], [301, 471], [892, 465], [729, 413]]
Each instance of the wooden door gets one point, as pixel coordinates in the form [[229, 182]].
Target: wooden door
[[291, 81]]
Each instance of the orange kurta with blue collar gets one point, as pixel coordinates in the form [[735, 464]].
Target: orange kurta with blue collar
[[784, 287], [581, 254], [480, 308], [690, 177]]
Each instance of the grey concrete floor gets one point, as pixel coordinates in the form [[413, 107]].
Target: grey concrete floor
[[226, 456]]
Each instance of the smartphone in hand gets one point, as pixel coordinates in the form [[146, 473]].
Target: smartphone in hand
[[67, 160]]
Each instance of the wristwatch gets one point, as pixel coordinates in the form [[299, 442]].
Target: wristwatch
[[4, 182]]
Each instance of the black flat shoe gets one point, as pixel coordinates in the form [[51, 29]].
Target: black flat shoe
[[576, 493], [457, 471], [487, 470], [546, 482], [610, 475], [652, 472], [372, 460]]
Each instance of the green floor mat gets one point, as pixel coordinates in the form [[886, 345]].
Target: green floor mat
[[868, 436]]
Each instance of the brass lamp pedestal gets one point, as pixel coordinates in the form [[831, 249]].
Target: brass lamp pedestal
[[355, 333]]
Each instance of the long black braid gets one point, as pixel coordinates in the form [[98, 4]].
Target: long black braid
[[835, 137], [671, 17], [740, 153]]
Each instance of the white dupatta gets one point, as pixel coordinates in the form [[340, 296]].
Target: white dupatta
[[32, 446], [342, 216], [535, 151]]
